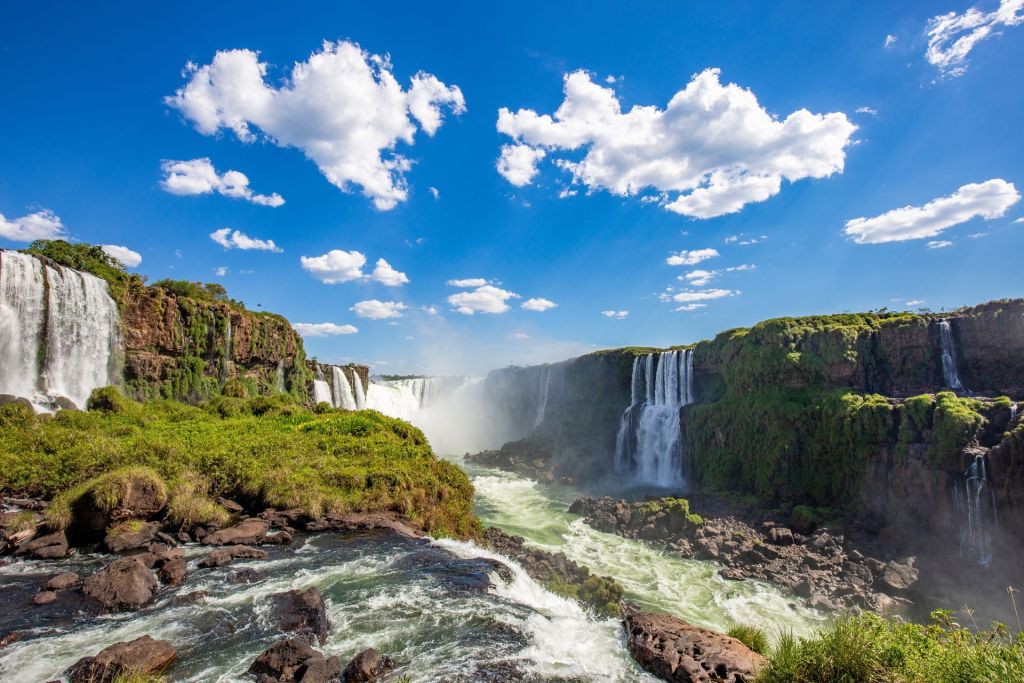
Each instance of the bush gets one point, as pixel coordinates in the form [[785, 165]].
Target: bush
[[108, 399], [235, 388], [751, 636], [108, 491]]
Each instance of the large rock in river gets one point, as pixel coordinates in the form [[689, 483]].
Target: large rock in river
[[367, 666], [303, 612], [247, 532], [141, 657], [124, 584], [677, 651], [294, 660]]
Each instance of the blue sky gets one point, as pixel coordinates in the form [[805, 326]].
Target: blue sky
[[88, 117]]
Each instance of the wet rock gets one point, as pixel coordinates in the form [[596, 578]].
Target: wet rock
[[899, 577], [279, 537], [247, 532], [44, 598], [166, 539], [183, 537], [191, 598], [231, 506], [174, 572], [677, 651], [62, 581], [123, 538], [303, 612], [140, 657], [124, 584], [294, 660], [49, 547], [223, 556], [244, 576], [781, 536], [367, 666], [8, 638]]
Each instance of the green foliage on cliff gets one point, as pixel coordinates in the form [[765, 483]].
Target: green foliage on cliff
[[269, 449], [200, 291], [90, 259], [867, 648]]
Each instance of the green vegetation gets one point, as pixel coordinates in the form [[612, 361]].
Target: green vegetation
[[91, 259], [867, 648], [601, 593], [201, 291], [267, 449], [107, 490], [751, 636], [679, 507]]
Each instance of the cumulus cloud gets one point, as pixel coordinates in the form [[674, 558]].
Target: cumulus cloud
[[939, 244], [386, 275], [124, 255], [323, 329], [914, 302], [952, 36], [467, 282], [691, 307], [198, 176], [711, 151], [435, 193], [379, 310], [41, 225], [342, 107], [483, 299], [690, 257], [700, 277], [335, 266], [538, 304], [617, 315], [987, 200], [239, 240], [689, 295], [220, 271]]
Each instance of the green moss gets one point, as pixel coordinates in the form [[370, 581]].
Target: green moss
[[956, 422], [601, 593]]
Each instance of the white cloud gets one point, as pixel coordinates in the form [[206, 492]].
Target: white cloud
[[221, 271], [239, 240], [379, 310], [977, 235], [691, 307], [342, 107], [870, 111], [691, 257], [435, 192], [198, 176], [618, 315], [939, 244], [41, 225], [335, 266], [126, 256], [483, 299], [518, 163], [386, 275], [711, 151], [520, 336], [702, 295], [732, 238], [467, 282], [431, 310], [538, 304], [952, 36], [890, 40], [988, 200], [1019, 220], [914, 302], [699, 278], [323, 329]]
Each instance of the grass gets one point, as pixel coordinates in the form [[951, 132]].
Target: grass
[[868, 648], [751, 636], [267, 450]]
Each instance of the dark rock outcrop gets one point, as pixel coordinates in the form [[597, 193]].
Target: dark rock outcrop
[[62, 581], [294, 660], [48, 547], [141, 657], [367, 666], [124, 584], [223, 556], [174, 572], [302, 612], [125, 538], [676, 651], [247, 532]]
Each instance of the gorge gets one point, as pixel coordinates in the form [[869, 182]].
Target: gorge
[[855, 423]]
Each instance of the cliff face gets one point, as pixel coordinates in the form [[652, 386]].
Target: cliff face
[[186, 348]]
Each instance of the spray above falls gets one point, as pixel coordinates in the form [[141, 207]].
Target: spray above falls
[[649, 443], [60, 332]]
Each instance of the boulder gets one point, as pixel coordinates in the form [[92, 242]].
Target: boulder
[[49, 547], [230, 505], [8, 638], [124, 584], [141, 498], [62, 581], [223, 556], [294, 659], [781, 536], [303, 612], [367, 666], [44, 598], [174, 572], [246, 532], [123, 538], [143, 656], [899, 577], [677, 651]]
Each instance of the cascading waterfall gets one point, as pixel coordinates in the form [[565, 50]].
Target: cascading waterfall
[[279, 377], [343, 395], [649, 442], [64, 315], [322, 392], [226, 360], [974, 502], [545, 386], [948, 346]]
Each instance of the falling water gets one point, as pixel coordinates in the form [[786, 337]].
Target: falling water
[[649, 443], [545, 386], [343, 395], [949, 370], [80, 323], [279, 377], [975, 504], [321, 392], [357, 386], [226, 360]]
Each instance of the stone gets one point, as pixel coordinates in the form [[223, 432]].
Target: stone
[[367, 666], [899, 577], [8, 638], [279, 537], [243, 576], [303, 612], [174, 572], [143, 656], [125, 539], [246, 532], [44, 598], [282, 660], [223, 556], [677, 651], [231, 506], [142, 499], [49, 547], [124, 584], [781, 536], [62, 581]]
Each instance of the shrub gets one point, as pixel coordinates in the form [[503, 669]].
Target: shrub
[[235, 388], [751, 636], [190, 504], [108, 399]]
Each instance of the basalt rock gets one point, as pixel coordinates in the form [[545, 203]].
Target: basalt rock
[[302, 612], [223, 556], [294, 660], [123, 538], [141, 657], [49, 547], [62, 581], [247, 532], [676, 651], [124, 584], [367, 666], [174, 572]]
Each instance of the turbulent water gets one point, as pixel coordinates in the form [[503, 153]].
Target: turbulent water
[[405, 399], [649, 443], [59, 331]]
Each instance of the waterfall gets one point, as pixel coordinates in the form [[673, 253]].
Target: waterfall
[[279, 377], [342, 389], [321, 392], [357, 386], [225, 362], [65, 314], [1013, 414], [649, 442], [975, 504], [545, 385], [948, 346]]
